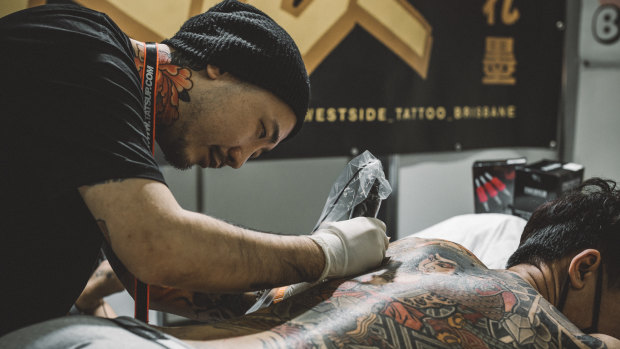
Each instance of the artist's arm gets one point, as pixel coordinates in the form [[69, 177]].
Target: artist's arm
[[192, 305], [102, 283], [163, 244]]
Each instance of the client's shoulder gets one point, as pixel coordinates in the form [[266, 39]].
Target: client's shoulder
[[433, 255]]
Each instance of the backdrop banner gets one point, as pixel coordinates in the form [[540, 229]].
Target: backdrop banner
[[405, 76]]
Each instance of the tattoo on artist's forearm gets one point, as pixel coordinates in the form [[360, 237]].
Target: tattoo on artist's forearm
[[202, 306]]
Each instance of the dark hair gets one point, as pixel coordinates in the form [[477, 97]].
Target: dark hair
[[587, 217]]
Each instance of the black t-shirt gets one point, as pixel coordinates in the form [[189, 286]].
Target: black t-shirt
[[71, 115]]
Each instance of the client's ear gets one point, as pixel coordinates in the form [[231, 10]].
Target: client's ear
[[583, 266]]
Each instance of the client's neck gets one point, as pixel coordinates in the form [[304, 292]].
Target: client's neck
[[543, 279]]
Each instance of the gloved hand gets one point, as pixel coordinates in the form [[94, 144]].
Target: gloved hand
[[352, 246]]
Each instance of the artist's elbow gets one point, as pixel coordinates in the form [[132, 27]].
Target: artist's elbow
[[148, 268], [144, 254]]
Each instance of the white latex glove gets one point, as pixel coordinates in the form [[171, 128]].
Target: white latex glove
[[352, 246]]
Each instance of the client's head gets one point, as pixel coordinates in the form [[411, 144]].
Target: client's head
[[577, 237], [585, 218]]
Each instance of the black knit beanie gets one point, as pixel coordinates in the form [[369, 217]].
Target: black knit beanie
[[242, 40]]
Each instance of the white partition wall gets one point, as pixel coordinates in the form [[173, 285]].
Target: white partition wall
[[280, 196], [287, 196], [597, 120], [435, 187]]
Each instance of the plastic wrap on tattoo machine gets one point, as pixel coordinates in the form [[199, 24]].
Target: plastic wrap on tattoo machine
[[357, 192]]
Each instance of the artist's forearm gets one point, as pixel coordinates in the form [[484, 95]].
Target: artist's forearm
[[199, 253], [162, 244], [91, 298], [192, 305], [101, 284]]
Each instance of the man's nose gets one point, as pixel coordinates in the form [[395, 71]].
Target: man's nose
[[237, 157]]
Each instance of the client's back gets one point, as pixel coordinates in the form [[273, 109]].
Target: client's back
[[431, 294]]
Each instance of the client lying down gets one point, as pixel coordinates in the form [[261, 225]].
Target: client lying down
[[561, 289], [431, 293]]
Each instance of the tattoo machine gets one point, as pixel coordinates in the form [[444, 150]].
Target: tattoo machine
[[357, 192]]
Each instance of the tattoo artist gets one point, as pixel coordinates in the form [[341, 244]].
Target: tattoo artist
[[78, 170]]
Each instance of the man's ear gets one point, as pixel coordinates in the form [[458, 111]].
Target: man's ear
[[583, 266], [213, 72]]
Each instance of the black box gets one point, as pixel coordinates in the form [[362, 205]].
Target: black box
[[541, 182], [494, 185]]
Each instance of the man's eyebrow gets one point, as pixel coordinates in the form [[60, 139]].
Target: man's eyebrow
[[275, 136]]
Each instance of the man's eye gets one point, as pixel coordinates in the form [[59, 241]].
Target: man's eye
[[263, 133]]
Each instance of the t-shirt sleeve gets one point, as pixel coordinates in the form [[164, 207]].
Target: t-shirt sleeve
[[75, 106], [105, 135]]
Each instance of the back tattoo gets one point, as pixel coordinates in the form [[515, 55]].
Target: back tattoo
[[430, 294]]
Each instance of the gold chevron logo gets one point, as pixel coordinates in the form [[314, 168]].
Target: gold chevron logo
[[317, 26]]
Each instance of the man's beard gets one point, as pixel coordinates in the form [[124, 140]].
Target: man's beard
[[174, 149]]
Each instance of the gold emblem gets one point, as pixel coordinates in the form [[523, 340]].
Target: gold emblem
[[499, 63]]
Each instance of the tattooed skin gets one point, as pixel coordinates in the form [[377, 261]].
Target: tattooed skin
[[431, 294], [173, 83], [192, 305]]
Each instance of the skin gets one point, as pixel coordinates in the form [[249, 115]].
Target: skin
[[199, 306], [224, 135], [102, 283], [420, 275], [459, 303], [582, 269], [211, 119], [215, 120]]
